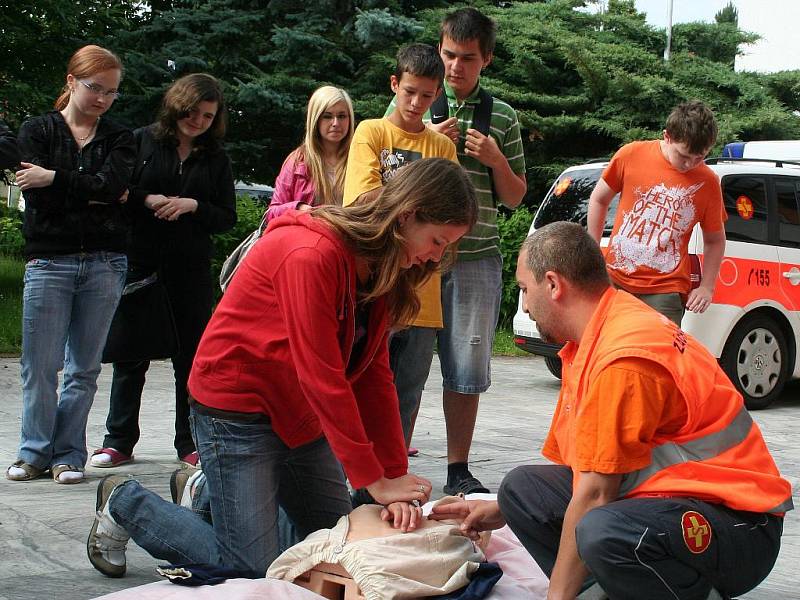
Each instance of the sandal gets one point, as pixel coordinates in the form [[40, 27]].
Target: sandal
[[31, 471], [76, 474], [115, 458]]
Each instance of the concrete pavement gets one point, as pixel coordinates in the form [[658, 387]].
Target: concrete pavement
[[43, 526]]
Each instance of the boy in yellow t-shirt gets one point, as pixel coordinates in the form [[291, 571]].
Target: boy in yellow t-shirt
[[379, 148]]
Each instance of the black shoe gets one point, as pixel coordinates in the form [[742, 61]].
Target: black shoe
[[465, 485]]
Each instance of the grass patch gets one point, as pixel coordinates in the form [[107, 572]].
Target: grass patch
[[12, 271], [504, 344]]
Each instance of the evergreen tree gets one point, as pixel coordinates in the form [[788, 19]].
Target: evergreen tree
[[270, 56], [37, 40]]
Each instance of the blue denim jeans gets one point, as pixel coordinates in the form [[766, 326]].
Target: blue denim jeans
[[410, 357], [471, 292], [249, 471], [67, 307]]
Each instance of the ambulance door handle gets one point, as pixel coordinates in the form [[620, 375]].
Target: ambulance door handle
[[793, 276]]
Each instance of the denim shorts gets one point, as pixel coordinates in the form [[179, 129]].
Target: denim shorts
[[471, 293]]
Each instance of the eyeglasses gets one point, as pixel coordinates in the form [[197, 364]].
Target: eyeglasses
[[99, 91]]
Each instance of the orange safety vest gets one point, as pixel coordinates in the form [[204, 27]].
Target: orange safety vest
[[718, 456]]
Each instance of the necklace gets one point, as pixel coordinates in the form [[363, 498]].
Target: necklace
[[89, 133]]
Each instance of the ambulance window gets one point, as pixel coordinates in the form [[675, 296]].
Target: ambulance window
[[745, 198], [788, 211], [568, 199]]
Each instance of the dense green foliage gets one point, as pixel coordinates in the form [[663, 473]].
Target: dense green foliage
[[248, 213], [513, 228], [36, 41], [11, 273], [584, 82], [11, 241]]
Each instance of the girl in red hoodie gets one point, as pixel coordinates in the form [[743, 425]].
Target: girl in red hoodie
[[291, 383]]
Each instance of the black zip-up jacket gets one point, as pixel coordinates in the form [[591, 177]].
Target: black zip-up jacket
[[205, 175], [9, 154], [80, 211]]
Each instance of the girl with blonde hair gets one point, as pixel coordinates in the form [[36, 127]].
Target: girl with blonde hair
[[313, 174], [75, 165]]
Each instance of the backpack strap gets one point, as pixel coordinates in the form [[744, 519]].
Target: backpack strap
[[439, 110], [482, 120], [482, 115]]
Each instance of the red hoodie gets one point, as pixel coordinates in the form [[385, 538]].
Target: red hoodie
[[279, 343]]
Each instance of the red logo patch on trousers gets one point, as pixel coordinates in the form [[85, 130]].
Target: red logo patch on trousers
[[696, 532]]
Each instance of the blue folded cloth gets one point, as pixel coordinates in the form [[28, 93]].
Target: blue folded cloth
[[480, 584]]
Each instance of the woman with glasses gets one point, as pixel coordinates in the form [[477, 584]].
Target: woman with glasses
[[75, 166], [181, 193]]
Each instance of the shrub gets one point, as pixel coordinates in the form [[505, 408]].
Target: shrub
[[513, 229], [12, 243], [248, 217]]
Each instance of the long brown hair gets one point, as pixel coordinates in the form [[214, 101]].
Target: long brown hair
[[310, 151], [87, 61], [184, 95], [434, 190]]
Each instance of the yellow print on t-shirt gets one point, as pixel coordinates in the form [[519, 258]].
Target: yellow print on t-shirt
[[651, 233]]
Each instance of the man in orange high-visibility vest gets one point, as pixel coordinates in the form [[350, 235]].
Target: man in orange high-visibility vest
[[663, 486]]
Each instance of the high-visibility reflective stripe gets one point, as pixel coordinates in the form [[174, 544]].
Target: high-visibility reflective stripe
[[699, 449], [783, 507]]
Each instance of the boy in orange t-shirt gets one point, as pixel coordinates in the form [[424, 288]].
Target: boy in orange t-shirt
[[665, 190]]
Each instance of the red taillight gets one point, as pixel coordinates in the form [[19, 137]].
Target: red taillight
[[695, 271]]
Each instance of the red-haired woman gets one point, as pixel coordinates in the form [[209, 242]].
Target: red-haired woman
[[181, 193], [76, 164]]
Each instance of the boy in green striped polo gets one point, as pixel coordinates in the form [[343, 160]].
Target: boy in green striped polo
[[471, 290]]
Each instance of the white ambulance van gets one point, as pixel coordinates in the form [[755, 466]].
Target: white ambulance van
[[753, 323]]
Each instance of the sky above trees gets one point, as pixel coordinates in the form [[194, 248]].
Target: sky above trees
[[776, 51]]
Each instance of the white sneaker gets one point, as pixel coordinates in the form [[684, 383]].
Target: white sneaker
[[107, 539], [182, 483]]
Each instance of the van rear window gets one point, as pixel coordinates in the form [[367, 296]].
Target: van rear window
[[568, 199]]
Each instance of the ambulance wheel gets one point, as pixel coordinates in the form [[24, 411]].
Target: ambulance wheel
[[553, 364], [755, 358]]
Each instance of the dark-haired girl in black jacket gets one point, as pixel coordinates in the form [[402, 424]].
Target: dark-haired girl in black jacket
[[182, 192]]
